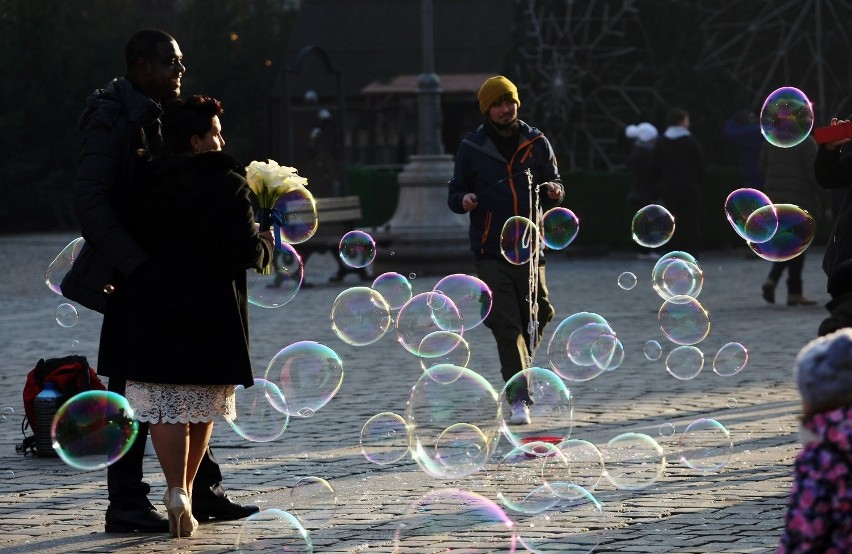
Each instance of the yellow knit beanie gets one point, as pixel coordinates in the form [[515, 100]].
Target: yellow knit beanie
[[493, 88]]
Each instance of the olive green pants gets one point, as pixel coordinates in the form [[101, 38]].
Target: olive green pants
[[509, 319]]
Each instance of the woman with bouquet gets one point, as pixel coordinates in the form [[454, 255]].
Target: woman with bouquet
[[183, 344]]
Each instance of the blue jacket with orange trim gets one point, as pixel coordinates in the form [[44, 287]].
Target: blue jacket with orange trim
[[501, 186]]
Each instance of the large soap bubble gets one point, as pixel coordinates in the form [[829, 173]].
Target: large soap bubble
[[360, 316], [550, 406], [261, 412], [471, 296], [796, 231], [466, 519], [93, 429], [518, 240], [652, 226], [787, 117], [61, 264], [308, 374], [443, 397], [276, 284]]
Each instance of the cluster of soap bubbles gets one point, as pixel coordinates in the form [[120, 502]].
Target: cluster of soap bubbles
[[454, 420], [775, 232], [520, 237]]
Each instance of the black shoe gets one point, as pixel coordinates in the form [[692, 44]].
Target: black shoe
[[768, 291], [213, 506], [137, 520]]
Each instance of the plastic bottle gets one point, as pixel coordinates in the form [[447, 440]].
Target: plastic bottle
[[47, 403]]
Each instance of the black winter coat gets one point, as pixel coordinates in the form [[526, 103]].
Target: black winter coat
[[120, 127], [501, 187], [679, 167], [834, 171], [193, 216]]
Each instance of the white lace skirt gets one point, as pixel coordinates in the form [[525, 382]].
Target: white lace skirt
[[159, 403]]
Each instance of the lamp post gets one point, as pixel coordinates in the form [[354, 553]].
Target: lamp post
[[426, 237], [281, 124]]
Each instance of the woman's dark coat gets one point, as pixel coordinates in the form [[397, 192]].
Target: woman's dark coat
[[188, 322]]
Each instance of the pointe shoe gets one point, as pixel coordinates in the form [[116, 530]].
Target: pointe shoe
[[768, 290], [177, 506], [799, 300]]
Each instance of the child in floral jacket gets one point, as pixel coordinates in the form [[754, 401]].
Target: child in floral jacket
[[819, 516]]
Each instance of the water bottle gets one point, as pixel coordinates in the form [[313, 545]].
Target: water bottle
[[47, 403]]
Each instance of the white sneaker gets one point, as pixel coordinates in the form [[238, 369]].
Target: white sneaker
[[520, 413]]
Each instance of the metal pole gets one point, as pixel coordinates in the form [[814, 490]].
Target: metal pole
[[428, 90]]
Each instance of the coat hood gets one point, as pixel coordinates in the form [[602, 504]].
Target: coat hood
[[119, 96]]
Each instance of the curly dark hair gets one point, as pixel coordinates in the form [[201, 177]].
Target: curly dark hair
[[184, 118]]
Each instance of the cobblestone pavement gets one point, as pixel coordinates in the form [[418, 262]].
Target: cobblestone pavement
[[48, 506]]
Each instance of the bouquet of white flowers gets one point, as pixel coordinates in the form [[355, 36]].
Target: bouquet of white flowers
[[269, 182]]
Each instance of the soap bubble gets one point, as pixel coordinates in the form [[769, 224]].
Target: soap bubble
[[66, 315], [261, 412], [560, 227], [273, 530], [384, 438], [741, 204], [653, 350], [276, 284], [308, 374], [521, 477], [563, 362], [360, 316], [61, 264], [684, 320], [424, 314], [466, 519], [577, 524], [314, 501], [634, 461], [518, 240], [443, 347], [677, 274], [730, 359], [705, 445], [627, 280], [93, 429], [796, 231], [652, 226], [787, 117], [357, 249], [394, 288], [294, 216], [685, 362], [550, 407], [443, 396], [471, 296]]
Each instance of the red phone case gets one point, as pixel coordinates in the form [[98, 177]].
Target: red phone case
[[832, 133]]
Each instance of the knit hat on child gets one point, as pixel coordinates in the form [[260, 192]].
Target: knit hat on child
[[823, 371]]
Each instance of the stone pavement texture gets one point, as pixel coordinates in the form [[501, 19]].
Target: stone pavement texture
[[47, 506]]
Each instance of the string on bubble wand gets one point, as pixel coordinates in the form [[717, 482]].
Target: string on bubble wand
[[534, 240]]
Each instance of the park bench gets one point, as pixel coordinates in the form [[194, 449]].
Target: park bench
[[337, 216]]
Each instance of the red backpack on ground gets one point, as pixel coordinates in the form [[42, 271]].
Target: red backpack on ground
[[71, 375]]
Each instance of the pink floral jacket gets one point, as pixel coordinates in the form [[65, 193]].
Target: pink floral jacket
[[819, 515]]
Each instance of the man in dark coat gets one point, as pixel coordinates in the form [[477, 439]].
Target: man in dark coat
[[833, 169], [490, 182], [679, 168], [120, 126], [790, 180]]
